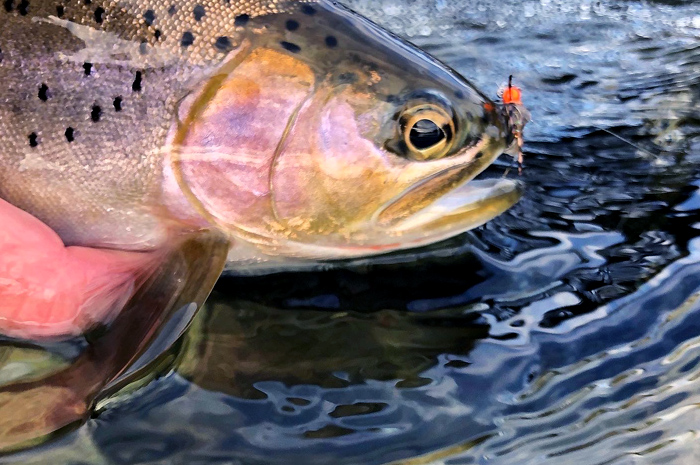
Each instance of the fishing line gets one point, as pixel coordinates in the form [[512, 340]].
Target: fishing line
[[647, 180], [641, 149]]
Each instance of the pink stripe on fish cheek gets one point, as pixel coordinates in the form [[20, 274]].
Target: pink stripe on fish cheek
[[225, 153], [49, 290]]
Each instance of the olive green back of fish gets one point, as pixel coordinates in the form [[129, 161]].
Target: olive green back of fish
[[87, 95]]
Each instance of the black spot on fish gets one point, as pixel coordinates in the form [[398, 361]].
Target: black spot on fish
[[0, 55], [87, 67], [33, 139], [99, 14], [308, 10], [9, 5], [95, 113], [331, 42], [347, 78], [117, 104], [292, 25], [199, 12], [149, 16], [241, 20], [87, 2], [157, 34], [391, 98], [23, 7], [44, 92], [223, 44], [136, 86], [187, 39], [294, 48], [172, 10], [459, 94], [60, 11], [70, 134]]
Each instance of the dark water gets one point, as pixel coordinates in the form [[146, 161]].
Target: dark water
[[565, 331]]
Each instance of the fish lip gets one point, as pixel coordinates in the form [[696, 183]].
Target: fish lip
[[448, 180], [467, 206], [483, 200]]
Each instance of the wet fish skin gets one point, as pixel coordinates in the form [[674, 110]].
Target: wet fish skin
[[109, 112]]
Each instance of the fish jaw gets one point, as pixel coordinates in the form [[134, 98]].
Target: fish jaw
[[431, 202]]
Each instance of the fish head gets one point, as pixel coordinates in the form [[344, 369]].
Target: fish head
[[334, 139]]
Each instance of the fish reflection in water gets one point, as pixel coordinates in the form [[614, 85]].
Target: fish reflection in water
[[51, 386]]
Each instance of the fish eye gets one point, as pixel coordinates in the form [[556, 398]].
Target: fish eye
[[427, 132]]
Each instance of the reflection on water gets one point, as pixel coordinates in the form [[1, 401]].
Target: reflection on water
[[49, 388], [565, 331]]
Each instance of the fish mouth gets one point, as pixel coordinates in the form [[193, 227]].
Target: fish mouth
[[442, 205], [448, 203], [465, 205]]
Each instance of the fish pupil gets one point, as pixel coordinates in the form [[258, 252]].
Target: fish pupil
[[425, 134]]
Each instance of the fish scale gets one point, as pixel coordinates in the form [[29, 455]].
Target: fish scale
[[64, 54]]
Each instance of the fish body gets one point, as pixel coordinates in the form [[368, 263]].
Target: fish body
[[297, 128]]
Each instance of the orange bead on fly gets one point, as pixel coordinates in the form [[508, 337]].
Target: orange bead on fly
[[518, 116]]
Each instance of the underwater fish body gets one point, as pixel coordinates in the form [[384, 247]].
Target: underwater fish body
[[297, 129]]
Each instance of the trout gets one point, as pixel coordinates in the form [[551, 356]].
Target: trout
[[298, 130]]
